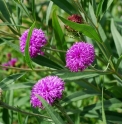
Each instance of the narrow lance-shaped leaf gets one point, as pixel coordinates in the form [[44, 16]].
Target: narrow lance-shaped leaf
[[67, 75], [109, 4], [10, 79], [80, 95], [99, 8], [48, 11], [117, 38], [118, 62], [27, 54], [22, 7], [55, 117], [4, 11], [59, 35], [42, 60], [92, 14], [19, 118], [65, 5], [103, 112]]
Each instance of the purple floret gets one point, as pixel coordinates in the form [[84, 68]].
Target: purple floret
[[37, 41], [80, 56], [49, 88]]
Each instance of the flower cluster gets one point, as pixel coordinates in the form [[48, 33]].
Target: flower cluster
[[50, 88], [37, 41], [80, 56]]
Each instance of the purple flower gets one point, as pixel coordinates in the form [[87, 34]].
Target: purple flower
[[80, 56], [37, 41], [12, 62], [49, 88]]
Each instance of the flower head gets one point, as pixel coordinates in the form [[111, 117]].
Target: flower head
[[49, 88], [74, 18], [37, 41], [80, 56]]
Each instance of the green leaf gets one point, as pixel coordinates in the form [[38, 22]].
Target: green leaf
[[5, 116], [108, 105], [4, 11], [10, 79], [117, 38], [1, 41], [65, 5], [116, 91], [103, 112], [26, 120], [19, 15], [105, 45], [17, 86], [22, 7], [41, 60], [12, 45], [92, 14], [48, 11], [80, 95], [21, 101], [9, 24], [59, 35], [114, 117], [99, 8], [118, 62], [11, 28], [27, 54], [109, 4], [84, 28], [33, 9], [67, 75], [55, 117], [9, 100], [19, 118]]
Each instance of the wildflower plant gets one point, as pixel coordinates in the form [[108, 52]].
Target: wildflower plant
[[61, 79]]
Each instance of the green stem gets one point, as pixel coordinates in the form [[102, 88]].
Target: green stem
[[64, 112], [54, 49], [26, 69], [4, 105]]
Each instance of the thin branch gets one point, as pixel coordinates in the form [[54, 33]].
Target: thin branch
[[4, 105]]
